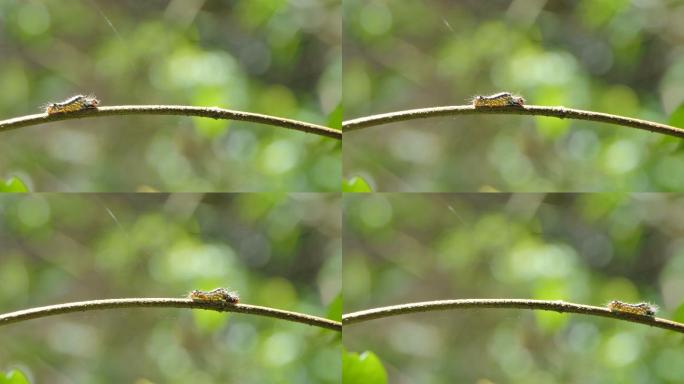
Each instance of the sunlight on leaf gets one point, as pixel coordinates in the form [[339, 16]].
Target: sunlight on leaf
[[13, 184], [13, 377], [355, 184], [363, 368]]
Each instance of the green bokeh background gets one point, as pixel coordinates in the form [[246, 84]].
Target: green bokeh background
[[583, 248], [276, 250], [277, 57], [613, 56]]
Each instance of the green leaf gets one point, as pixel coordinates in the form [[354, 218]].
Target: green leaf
[[209, 321], [335, 117], [13, 185], [335, 308], [678, 314], [677, 117], [355, 184], [210, 95], [365, 368], [13, 377]]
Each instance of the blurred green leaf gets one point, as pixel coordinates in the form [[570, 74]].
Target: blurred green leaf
[[335, 308], [678, 314], [335, 117], [209, 321], [365, 368], [14, 184], [13, 377], [355, 184], [677, 117], [211, 95]]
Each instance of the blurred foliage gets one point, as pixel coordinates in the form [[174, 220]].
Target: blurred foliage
[[619, 57], [355, 184], [677, 118], [276, 57], [335, 308], [583, 248], [13, 377], [13, 184], [281, 251], [364, 368]]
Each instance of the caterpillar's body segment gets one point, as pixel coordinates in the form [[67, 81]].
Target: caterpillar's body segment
[[218, 295], [73, 104], [501, 99], [643, 309]]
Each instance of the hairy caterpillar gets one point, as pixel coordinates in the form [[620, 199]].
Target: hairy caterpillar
[[643, 309], [501, 99], [218, 295], [73, 104]]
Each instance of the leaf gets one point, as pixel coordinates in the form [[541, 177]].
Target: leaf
[[209, 321], [677, 117], [355, 184], [335, 308], [365, 368], [13, 377], [335, 117], [678, 314], [14, 184]]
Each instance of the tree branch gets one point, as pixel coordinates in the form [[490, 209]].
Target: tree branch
[[560, 112], [546, 305], [92, 305], [212, 112]]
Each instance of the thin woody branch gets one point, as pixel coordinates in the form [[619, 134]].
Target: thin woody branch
[[92, 305], [538, 110], [545, 305], [211, 112]]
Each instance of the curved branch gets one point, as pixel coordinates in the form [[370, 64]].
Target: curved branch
[[92, 305], [560, 112], [546, 305], [212, 112]]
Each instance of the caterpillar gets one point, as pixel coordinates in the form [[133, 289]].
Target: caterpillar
[[73, 104], [501, 99], [218, 295], [643, 309]]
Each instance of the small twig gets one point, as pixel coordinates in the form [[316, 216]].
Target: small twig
[[82, 306], [561, 112], [212, 112], [546, 305]]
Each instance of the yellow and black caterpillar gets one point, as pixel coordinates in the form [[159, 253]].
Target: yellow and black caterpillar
[[218, 295], [73, 104], [643, 309], [501, 99]]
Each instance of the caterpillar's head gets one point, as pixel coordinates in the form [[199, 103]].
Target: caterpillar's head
[[517, 100], [91, 102]]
